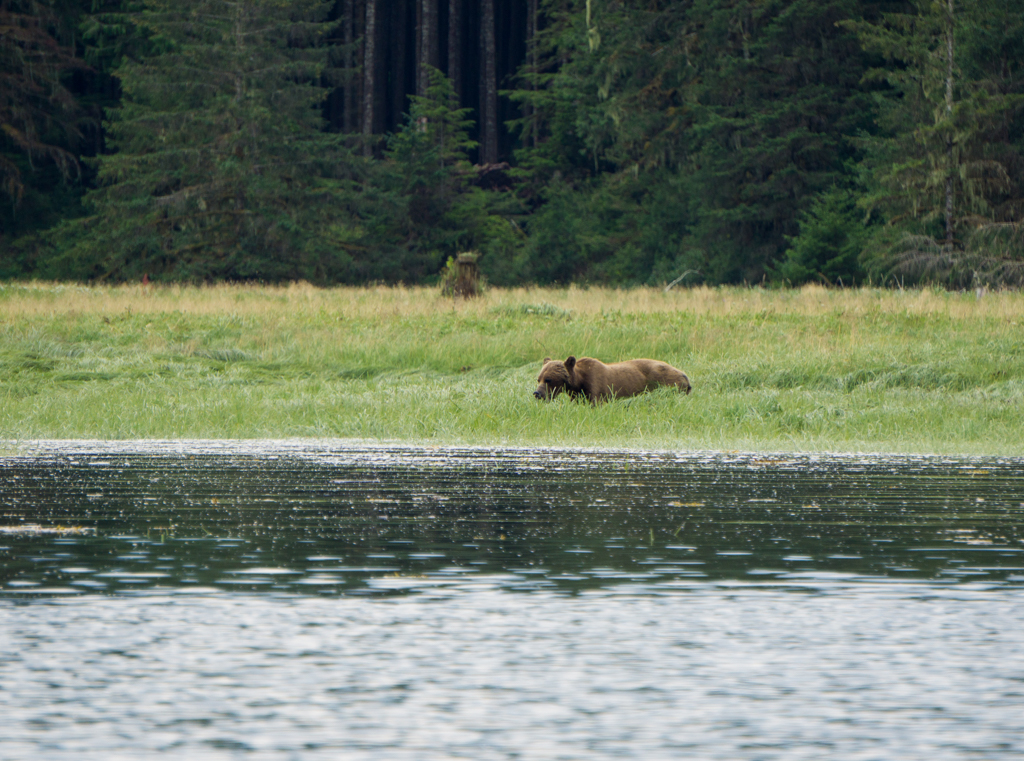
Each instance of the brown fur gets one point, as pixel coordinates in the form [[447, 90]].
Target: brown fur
[[596, 381]]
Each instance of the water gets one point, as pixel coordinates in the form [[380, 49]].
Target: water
[[308, 600]]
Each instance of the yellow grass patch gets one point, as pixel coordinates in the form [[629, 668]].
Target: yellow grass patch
[[46, 299]]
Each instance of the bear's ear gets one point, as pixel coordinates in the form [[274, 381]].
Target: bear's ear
[[546, 360], [570, 363]]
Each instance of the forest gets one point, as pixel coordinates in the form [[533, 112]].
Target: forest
[[611, 142]]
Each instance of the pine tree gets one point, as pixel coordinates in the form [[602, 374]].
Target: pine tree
[[37, 112], [828, 247], [942, 168], [930, 164], [221, 169], [430, 156], [693, 134]]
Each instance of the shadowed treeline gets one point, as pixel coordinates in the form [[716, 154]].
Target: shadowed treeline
[[355, 142]]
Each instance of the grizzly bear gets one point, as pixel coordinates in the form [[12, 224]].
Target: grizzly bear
[[596, 381]]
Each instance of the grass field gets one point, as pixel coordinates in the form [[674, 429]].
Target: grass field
[[803, 370]]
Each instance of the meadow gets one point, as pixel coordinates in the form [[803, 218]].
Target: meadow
[[907, 371]]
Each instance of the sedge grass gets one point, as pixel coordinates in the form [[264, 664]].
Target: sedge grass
[[804, 370]]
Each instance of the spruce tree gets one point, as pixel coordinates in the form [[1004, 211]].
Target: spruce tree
[[942, 166], [443, 212], [220, 167], [690, 136], [40, 124], [829, 245]]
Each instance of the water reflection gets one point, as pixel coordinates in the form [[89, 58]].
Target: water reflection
[[313, 519], [318, 601]]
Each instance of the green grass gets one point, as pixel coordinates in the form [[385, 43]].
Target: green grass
[[809, 370]]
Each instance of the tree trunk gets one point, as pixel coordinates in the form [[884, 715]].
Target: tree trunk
[[349, 110], [358, 29], [430, 53], [530, 111], [369, 74], [417, 79], [240, 56], [399, 59], [488, 86], [455, 46], [949, 117]]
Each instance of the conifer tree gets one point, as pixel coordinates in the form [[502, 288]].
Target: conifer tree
[[221, 167], [941, 169], [930, 164], [829, 245], [429, 155], [37, 112], [693, 134]]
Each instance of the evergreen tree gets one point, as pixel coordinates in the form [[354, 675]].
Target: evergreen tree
[[221, 168], [37, 112], [945, 163], [828, 247], [725, 139], [40, 124], [442, 211], [695, 133]]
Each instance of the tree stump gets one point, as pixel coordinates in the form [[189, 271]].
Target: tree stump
[[467, 276]]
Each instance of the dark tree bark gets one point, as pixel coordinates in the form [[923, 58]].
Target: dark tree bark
[[358, 34], [429, 47], [529, 111], [418, 54], [398, 85], [455, 46], [488, 86], [370, 73], [394, 40], [949, 115], [350, 110]]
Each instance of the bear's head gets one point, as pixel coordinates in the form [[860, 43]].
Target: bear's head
[[556, 376]]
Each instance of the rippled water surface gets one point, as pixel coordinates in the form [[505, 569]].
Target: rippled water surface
[[325, 600]]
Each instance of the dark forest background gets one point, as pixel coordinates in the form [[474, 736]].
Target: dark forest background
[[595, 141]]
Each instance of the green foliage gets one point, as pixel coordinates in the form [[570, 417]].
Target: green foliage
[[991, 256], [696, 132], [221, 169], [828, 247], [40, 125], [443, 210], [660, 139], [948, 160], [428, 161]]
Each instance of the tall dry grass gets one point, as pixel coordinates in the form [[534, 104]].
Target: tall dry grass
[[45, 299]]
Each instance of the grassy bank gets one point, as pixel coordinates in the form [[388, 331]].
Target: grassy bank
[[867, 370]]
